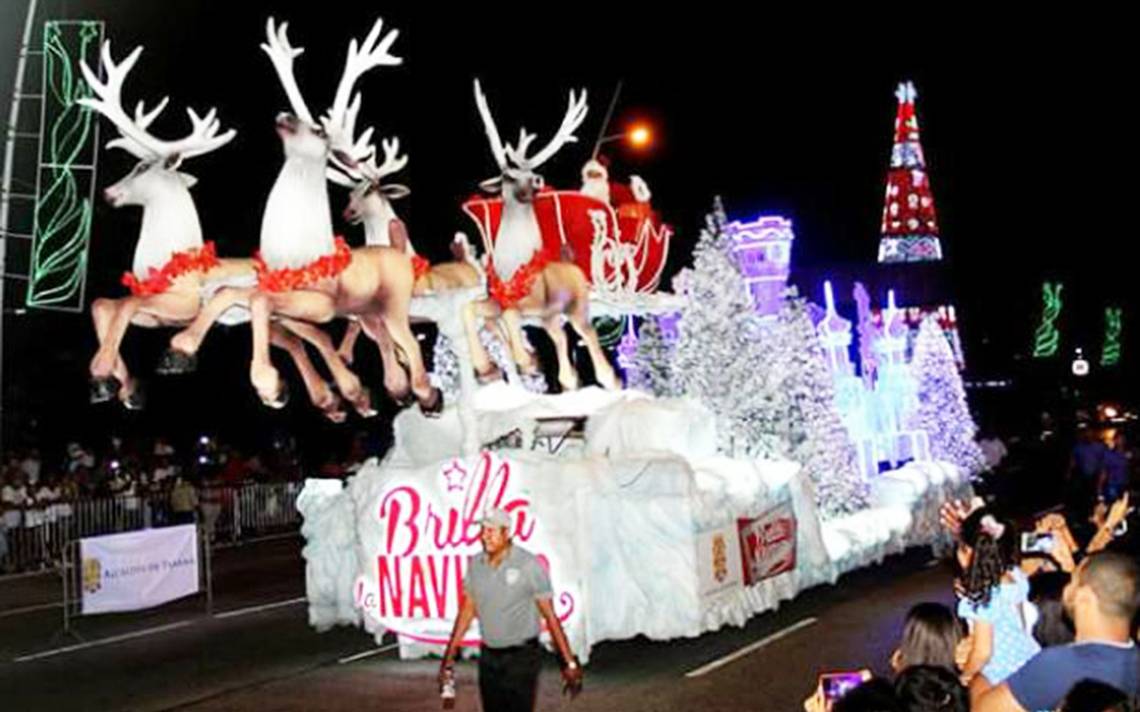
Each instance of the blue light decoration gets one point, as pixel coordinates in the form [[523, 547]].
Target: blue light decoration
[[763, 250], [851, 396], [896, 389]]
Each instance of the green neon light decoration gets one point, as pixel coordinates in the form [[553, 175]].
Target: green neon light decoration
[[1047, 339], [62, 233], [1113, 325]]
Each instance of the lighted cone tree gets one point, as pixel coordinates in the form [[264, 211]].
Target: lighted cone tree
[[910, 226], [942, 409]]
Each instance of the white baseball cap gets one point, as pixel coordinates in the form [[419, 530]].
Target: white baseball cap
[[496, 517]]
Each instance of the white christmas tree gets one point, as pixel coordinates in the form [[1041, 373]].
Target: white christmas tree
[[942, 410], [815, 435], [653, 362], [719, 357]]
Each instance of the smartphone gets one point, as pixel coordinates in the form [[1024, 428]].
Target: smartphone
[[837, 684], [1037, 543]]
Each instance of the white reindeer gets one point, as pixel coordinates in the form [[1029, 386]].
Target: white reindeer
[[170, 227], [373, 283], [533, 283], [370, 204]]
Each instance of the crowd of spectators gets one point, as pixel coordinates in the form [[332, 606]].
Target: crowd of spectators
[[1045, 613], [145, 482]]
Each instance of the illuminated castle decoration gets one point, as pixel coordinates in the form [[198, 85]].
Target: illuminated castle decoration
[[947, 319], [895, 395], [910, 226], [763, 249], [850, 394]]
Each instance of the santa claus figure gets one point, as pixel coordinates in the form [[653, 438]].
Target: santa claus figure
[[596, 179]]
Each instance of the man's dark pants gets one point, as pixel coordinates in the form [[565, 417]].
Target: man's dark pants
[[508, 677]]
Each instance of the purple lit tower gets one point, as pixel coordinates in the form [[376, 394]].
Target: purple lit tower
[[763, 249]]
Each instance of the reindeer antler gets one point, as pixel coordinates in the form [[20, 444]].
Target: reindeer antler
[[282, 54], [497, 148], [373, 52], [367, 171], [134, 137], [575, 115], [393, 161]]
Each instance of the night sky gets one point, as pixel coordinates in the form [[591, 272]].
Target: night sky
[[1025, 123]]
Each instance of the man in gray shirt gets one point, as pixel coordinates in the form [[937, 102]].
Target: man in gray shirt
[[507, 589]]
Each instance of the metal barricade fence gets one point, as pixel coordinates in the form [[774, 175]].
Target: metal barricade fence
[[34, 539]]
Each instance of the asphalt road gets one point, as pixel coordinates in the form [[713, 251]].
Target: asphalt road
[[257, 653]]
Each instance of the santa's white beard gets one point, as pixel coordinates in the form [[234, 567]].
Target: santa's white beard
[[597, 188]]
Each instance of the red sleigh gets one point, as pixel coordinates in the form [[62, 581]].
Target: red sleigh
[[630, 241]]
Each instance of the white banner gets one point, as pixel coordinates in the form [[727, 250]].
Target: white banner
[[719, 566], [136, 570]]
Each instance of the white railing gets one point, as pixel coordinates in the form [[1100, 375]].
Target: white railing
[[33, 539]]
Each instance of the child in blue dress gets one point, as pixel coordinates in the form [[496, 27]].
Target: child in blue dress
[[994, 596]]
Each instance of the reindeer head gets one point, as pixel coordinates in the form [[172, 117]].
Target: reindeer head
[[156, 174], [331, 137], [518, 181], [147, 181], [370, 196]]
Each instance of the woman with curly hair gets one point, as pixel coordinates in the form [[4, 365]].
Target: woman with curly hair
[[993, 600]]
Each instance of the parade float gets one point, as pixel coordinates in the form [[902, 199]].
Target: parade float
[[736, 460]]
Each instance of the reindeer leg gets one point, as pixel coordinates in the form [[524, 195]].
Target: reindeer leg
[[580, 320], [567, 376], [512, 323], [311, 306], [262, 374], [187, 342], [396, 381], [348, 343], [346, 380], [103, 389], [395, 319], [320, 393], [169, 307], [165, 308], [476, 313]]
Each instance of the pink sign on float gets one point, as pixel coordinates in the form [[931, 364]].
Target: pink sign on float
[[428, 531]]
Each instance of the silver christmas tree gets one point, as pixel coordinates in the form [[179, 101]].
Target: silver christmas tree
[[815, 435], [942, 409], [653, 362], [720, 357]]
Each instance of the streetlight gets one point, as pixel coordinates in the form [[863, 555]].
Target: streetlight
[[638, 136]]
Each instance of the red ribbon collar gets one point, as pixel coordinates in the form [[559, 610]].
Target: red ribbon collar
[[509, 293], [288, 279], [157, 281]]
